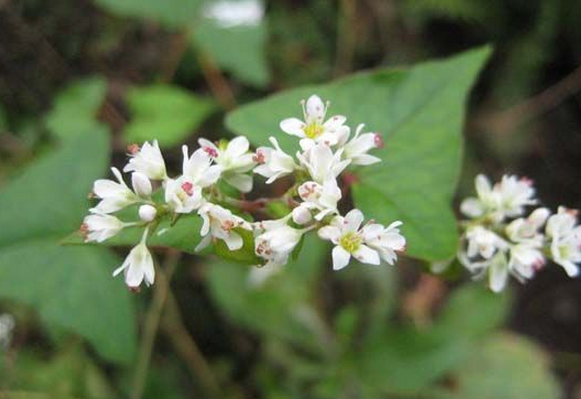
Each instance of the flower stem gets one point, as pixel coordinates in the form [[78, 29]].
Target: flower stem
[[186, 347], [160, 294]]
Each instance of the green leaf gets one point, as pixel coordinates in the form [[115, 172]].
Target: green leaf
[[240, 50], [75, 108], [244, 255], [164, 112], [505, 366], [170, 13], [69, 287], [404, 361], [420, 112], [473, 311]]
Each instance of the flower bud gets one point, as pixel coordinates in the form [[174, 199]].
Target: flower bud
[[147, 213], [301, 215], [141, 184]]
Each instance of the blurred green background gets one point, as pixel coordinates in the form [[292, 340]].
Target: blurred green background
[[79, 80]]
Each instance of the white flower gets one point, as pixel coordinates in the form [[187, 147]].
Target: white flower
[[7, 324], [525, 259], [147, 213], [277, 242], [344, 232], [565, 237], [147, 160], [141, 184], [98, 227], [114, 195], [321, 163], [183, 195], [357, 148], [505, 199], [273, 163], [385, 240], [523, 230], [138, 266], [198, 168], [220, 223], [483, 243], [314, 126], [234, 160], [322, 198]]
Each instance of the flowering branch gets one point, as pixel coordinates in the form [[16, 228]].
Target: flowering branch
[[327, 149]]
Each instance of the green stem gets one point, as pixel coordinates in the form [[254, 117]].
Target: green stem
[[161, 289]]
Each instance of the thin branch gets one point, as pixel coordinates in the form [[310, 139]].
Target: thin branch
[[534, 106], [346, 38], [160, 295], [186, 347]]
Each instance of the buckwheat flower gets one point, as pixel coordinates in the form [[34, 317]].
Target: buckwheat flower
[[234, 161], [198, 168], [317, 197], [138, 266], [220, 223], [276, 243], [147, 213], [565, 236], [527, 230], [183, 195], [344, 232], [483, 243], [387, 241], [508, 198], [358, 147], [314, 127], [147, 160], [322, 163], [525, 260], [141, 184], [273, 163], [99, 227], [114, 195]]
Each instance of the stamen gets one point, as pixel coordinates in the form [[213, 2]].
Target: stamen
[[132, 149], [378, 140], [259, 157], [188, 188], [211, 152]]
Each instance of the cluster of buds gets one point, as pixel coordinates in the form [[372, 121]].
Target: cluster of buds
[[499, 239], [326, 150]]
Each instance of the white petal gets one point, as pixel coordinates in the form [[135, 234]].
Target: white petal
[[233, 241], [141, 184], [340, 258], [498, 273], [237, 147], [367, 255], [331, 233], [315, 109], [240, 181], [293, 126], [203, 243], [353, 220], [472, 207]]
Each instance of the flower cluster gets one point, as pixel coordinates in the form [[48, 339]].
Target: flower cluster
[[500, 239], [327, 148]]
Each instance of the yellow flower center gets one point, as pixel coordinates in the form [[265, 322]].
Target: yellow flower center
[[350, 241], [313, 130]]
